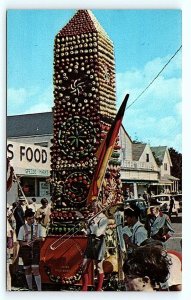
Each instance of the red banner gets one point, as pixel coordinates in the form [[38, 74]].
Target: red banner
[[104, 153]]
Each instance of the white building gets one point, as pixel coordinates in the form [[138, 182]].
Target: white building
[[28, 148]]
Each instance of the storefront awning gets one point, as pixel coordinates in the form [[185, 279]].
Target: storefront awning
[[139, 182]]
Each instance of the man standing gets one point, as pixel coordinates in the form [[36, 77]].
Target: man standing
[[138, 232], [19, 214], [171, 206], [96, 228], [29, 238], [158, 225]]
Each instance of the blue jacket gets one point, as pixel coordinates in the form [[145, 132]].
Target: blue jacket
[[159, 227]]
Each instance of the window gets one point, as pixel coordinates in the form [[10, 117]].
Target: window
[[28, 186], [165, 166], [43, 188], [147, 157]]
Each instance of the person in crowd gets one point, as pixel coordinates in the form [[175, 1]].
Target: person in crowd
[[131, 195], [29, 238], [137, 229], [19, 214], [43, 215], [10, 216], [126, 194], [158, 225], [146, 197], [171, 206], [174, 282], [11, 241], [95, 251], [146, 268], [32, 204]]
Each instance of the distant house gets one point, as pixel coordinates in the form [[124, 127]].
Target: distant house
[[125, 143], [138, 165], [168, 182]]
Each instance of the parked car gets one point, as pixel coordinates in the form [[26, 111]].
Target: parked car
[[163, 200], [141, 206]]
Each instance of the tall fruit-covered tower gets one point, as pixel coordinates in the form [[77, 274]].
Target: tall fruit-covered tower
[[84, 97], [84, 108]]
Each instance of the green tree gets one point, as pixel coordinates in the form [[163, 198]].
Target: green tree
[[176, 170]]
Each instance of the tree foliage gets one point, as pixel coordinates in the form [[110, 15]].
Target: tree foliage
[[176, 170]]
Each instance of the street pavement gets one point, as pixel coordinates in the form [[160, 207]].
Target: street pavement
[[174, 243]]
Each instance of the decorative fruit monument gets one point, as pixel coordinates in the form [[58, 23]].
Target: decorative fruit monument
[[84, 108]]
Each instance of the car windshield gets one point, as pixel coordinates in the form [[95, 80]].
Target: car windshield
[[161, 198]]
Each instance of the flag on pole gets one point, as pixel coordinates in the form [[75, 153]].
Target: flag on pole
[[104, 153], [10, 172]]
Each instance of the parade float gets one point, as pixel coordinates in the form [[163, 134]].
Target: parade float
[[84, 109]]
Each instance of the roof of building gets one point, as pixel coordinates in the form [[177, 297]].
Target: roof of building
[[30, 125], [125, 131], [159, 152], [137, 150]]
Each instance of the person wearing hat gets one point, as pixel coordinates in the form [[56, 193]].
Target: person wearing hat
[[96, 247], [29, 238], [158, 225], [138, 232]]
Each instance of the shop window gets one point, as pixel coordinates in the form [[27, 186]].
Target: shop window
[[28, 186], [43, 187]]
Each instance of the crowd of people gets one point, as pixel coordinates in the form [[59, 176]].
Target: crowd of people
[[147, 264], [146, 253], [27, 226]]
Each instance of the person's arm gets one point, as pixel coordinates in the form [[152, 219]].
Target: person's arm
[[39, 236], [38, 214], [170, 230], [102, 226], [128, 242]]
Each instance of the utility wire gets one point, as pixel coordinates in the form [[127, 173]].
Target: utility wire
[[154, 78]]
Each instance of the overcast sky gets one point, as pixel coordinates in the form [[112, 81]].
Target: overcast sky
[[144, 41]]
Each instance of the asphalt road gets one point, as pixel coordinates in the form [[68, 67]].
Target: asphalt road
[[174, 243]]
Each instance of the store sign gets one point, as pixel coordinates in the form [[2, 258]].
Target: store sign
[[29, 159], [44, 188]]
